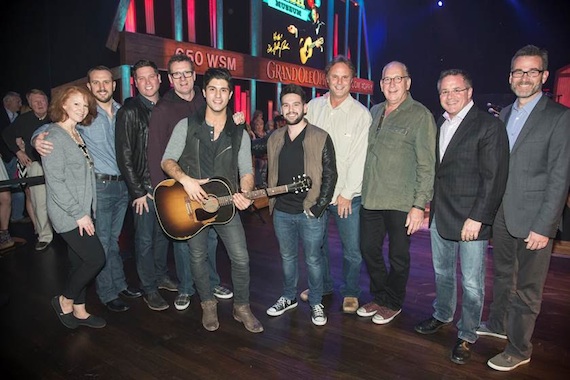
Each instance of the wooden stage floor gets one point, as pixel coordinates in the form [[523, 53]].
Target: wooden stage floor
[[145, 344]]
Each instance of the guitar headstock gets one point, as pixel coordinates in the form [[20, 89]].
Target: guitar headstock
[[300, 184]]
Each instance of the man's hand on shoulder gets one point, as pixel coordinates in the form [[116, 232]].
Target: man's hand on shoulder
[[239, 118], [42, 146]]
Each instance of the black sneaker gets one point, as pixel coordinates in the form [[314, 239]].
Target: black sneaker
[[155, 301], [281, 306], [168, 284], [318, 315], [131, 292]]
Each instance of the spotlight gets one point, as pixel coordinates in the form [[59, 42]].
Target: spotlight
[[440, 3]]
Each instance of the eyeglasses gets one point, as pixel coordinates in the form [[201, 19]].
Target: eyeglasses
[[396, 79], [179, 74], [532, 73], [455, 91]]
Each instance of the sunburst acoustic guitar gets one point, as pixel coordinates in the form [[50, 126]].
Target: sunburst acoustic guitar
[[181, 218]]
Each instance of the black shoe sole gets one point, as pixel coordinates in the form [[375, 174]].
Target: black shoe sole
[[433, 331]]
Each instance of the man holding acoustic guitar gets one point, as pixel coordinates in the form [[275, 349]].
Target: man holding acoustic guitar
[[204, 146]]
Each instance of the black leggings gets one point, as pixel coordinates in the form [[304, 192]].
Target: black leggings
[[87, 258]]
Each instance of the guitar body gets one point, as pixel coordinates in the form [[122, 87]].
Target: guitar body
[[306, 50], [182, 218]]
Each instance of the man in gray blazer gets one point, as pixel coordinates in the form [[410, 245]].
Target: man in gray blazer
[[472, 162], [537, 187]]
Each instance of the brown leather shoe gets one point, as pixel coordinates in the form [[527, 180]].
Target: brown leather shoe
[[350, 305], [210, 315], [243, 314]]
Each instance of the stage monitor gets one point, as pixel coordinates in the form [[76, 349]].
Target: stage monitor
[[294, 31]]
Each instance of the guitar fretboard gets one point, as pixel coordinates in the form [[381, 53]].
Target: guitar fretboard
[[228, 199]]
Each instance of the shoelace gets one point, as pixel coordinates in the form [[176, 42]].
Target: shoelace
[[318, 311]]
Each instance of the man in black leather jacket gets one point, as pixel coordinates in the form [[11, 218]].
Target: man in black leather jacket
[[131, 136]]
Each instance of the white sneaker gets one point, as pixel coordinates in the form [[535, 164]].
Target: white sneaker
[[182, 301]]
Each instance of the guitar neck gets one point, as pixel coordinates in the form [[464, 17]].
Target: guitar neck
[[228, 199]]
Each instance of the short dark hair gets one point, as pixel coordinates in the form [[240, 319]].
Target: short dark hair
[[532, 51], [56, 111], [218, 73], [293, 89], [340, 59], [463, 73], [98, 68], [143, 63], [180, 58]]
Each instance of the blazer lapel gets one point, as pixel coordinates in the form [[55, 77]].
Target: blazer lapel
[[462, 130], [532, 122]]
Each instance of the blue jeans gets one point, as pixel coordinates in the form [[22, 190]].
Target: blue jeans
[[349, 232], [182, 262], [112, 203], [472, 261], [233, 237], [151, 249], [18, 196], [289, 229]]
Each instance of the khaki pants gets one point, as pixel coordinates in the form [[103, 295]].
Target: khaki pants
[[38, 195]]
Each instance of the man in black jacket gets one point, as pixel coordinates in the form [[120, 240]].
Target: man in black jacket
[[472, 160], [131, 136]]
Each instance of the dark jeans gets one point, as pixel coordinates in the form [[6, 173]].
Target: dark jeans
[[388, 287], [291, 229], [151, 249], [233, 237], [87, 258], [517, 287], [112, 203]]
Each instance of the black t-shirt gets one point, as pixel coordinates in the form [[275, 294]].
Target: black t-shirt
[[291, 165]]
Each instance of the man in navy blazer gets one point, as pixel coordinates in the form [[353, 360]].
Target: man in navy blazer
[[472, 158], [526, 223]]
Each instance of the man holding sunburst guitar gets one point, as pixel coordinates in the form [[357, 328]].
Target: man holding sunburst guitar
[[205, 146], [313, 40]]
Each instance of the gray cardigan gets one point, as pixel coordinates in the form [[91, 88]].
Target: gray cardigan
[[70, 181]]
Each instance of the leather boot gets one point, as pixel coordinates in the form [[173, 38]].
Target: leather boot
[[210, 315], [243, 314]]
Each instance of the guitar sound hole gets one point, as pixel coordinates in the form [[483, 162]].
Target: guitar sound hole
[[212, 204]]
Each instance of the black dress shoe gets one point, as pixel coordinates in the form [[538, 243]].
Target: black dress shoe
[[430, 326], [68, 320], [131, 293], [461, 352], [117, 305], [92, 321]]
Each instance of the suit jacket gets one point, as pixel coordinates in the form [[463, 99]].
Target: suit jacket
[[5, 152], [471, 178], [538, 171]]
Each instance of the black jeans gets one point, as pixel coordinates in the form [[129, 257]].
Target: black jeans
[[87, 258], [387, 286], [519, 276]]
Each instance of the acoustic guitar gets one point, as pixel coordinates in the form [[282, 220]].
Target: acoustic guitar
[[182, 218], [306, 50]]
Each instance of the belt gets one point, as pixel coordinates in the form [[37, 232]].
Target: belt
[[108, 177]]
